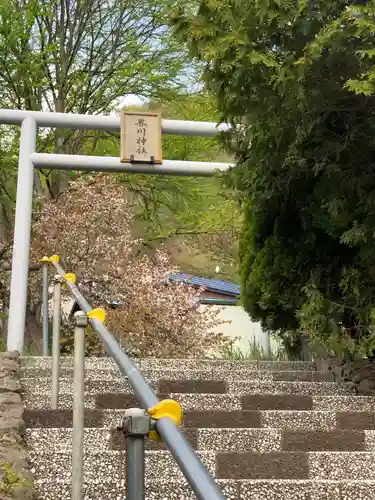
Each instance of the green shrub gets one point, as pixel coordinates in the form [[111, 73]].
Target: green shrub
[[255, 352], [11, 480]]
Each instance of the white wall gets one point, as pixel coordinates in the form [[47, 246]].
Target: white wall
[[242, 328]]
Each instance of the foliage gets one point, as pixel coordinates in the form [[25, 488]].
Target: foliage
[[196, 218], [11, 480], [89, 226], [255, 352], [80, 57], [93, 344], [296, 81]]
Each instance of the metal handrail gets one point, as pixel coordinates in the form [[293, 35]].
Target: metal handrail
[[201, 482]]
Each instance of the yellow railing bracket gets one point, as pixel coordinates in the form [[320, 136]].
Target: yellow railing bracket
[[70, 277], [45, 260], [166, 408], [98, 314], [55, 259]]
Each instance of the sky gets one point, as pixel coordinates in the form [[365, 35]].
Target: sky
[[131, 100]]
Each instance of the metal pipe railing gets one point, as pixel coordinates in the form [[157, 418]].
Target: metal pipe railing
[[201, 482], [56, 311], [45, 311]]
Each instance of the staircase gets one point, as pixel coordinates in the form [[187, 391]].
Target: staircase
[[265, 430]]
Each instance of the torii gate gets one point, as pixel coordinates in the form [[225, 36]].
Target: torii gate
[[29, 159]]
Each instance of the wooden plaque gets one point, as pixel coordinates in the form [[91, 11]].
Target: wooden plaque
[[140, 137]]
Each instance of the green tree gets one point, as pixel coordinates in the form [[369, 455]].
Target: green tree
[[81, 57], [296, 81]]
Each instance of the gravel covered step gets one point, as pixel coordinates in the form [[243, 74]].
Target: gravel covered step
[[225, 402], [306, 490], [264, 430], [305, 376], [344, 403], [222, 465], [203, 439], [296, 465], [356, 420], [285, 365], [95, 439], [277, 402], [295, 388], [240, 439], [115, 490], [175, 364], [159, 465], [219, 373], [113, 373], [288, 420], [120, 385], [43, 385], [233, 490]]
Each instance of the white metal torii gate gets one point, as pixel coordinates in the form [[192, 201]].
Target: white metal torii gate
[[29, 159]]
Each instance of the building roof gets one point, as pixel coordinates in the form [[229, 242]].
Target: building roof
[[211, 285], [216, 286]]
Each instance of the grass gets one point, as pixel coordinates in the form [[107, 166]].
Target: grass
[[255, 352], [10, 481]]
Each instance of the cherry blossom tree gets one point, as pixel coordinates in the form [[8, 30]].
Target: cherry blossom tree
[[90, 227]]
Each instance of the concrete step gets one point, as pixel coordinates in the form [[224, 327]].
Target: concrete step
[[277, 419], [216, 439], [113, 373], [174, 364], [222, 465], [43, 385], [56, 489], [232, 489], [100, 466], [295, 388], [224, 373], [224, 402]]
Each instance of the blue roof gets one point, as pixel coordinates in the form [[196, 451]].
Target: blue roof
[[216, 286]]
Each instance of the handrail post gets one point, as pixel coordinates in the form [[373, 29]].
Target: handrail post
[[45, 311], [56, 341], [136, 426], [80, 323]]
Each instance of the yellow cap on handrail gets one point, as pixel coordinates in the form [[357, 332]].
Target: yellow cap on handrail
[[70, 277], [55, 259], [98, 314], [165, 408], [45, 260]]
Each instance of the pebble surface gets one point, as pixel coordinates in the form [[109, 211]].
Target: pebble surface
[[329, 475]]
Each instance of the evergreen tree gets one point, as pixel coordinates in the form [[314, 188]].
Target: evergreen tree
[[296, 81]]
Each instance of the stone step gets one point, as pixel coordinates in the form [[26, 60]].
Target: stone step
[[216, 439], [295, 388], [43, 385], [177, 364], [224, 373], [114, 374], [224, 402], [277, 419], [100, 466], [232, 490], [222, 465]]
